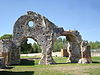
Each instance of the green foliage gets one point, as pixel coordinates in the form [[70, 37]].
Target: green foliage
[[36, 48], [6, 36], [95, 45], [59, 44], [25, 47], [29, 48]]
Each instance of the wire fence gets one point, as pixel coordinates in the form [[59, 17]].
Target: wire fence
[[95, 52]]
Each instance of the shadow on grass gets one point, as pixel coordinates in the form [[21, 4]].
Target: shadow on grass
[[7, 67], [16, 73], [95, 62], [27, 62]]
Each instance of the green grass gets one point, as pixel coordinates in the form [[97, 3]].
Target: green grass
[[96, 59], [60, 59], [30, 57], [31, 67]]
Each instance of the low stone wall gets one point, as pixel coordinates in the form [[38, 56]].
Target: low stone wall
[[95, 52], [5, 50]]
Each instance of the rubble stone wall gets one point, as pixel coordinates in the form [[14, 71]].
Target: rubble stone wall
[[85, 53], [43, 32], [73, 48], [5, 50]]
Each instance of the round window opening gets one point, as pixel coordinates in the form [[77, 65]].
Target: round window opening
[[31, 23]]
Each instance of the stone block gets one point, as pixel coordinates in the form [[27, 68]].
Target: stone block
[[84, 61]]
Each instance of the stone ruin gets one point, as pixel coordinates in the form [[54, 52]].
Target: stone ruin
[[73, 48], [85, 53], [5, 52], [44, 33]]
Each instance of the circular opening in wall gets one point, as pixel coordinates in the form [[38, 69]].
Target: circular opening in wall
[[31, 23]]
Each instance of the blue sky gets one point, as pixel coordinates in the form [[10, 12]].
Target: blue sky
[[81, 15]]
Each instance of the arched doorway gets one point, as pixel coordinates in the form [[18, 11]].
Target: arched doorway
[[59, 50], [30, 52], [29, 45], [35, 26], [73, 48]]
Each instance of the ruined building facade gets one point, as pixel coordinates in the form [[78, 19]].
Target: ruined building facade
[[44, 33]]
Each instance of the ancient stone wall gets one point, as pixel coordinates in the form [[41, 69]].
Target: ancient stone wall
[[73, 48], [43, 32], [5, 50], [85, 53]]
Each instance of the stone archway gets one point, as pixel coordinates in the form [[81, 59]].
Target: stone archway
[[74, 49], [43, 32]]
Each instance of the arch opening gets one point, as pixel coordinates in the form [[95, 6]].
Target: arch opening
[[60, 50], [44, 35], [30, 50], [70, 49], [73, 45]]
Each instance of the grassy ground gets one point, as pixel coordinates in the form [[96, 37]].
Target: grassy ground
[[31, 67]]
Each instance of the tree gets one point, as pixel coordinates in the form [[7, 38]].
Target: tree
[[29, 48], [94, 45], [6, 36], [59, 44], [25, 47], [36, 48]]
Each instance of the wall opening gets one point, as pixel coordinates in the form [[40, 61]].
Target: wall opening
[[31, 23], [60, 47], [30, 50]]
